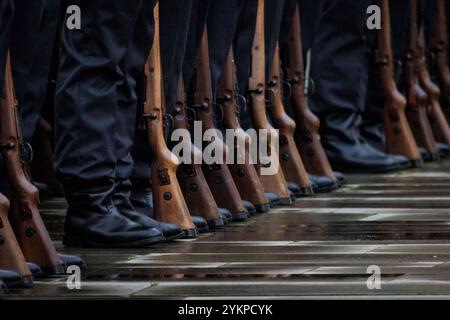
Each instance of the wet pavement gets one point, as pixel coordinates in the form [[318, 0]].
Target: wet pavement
[[321, 247]]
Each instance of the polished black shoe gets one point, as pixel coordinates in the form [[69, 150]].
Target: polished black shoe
[[250, 207], [71, 260], [295, 189], [300, 191], [428, 157], [226, 215], [355, 157], [340, 178], [323, 184], [94, 221], [200, 224], [35, 270], [3, 288], [273, 199], [13, 280], [444, 150], [142, 215]]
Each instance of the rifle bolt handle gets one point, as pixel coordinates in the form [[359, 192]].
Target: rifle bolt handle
[[7, 146]]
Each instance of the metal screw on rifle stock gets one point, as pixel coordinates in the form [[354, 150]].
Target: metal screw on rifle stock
[[30, 232], [219, 179], [167, 196], [194, 187], [241, 173], [286, 156]]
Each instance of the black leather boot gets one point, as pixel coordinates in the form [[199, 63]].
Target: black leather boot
[[122, 196], [11, 279], [273, 199], [141, 198], [322, 184], [340, 177], [250, 207], [226, 215], [3, 288], [94, 221], [444, 150], [35, 270], [71, 260]]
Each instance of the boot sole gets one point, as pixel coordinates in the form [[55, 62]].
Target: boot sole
[[285, 201], [327, 188], [70, 241], [240, 216], [190, 234], [262, 208], [374, 170], [432, 157], [216, 224], [174, 237], [416, 163], [53, 271]]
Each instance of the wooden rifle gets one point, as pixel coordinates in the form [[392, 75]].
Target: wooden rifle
[[169, 204], [307, 132], [272, 183], [243, 172], [399, 137], [217, 174], [418, 106], [290, 158], [197, 193], [26, 220]]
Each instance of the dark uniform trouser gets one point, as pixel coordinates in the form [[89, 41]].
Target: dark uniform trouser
[[96, 100], [338, 67], [196, 25], [174, 18], [274, 10], [222, 22], [32, 39], [242, 45]]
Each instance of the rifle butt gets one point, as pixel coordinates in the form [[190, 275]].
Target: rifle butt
[[168, 200], [11, 256], [292, 164], [224, 189], [197, 193]]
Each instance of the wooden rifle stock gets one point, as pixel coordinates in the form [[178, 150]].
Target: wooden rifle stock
[[399, 138], [438, 123], [168, 201], [307, 132], [439, 45], [417, 98], [11, 256], [244, 175], [272, 183], [290, 158], [197, 193], [218, 174], [26, 220]]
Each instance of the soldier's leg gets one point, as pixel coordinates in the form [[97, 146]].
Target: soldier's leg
[[338, 67], [87, 125], [130, 98]]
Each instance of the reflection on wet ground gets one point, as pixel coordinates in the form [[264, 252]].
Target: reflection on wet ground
[[320, 247]]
